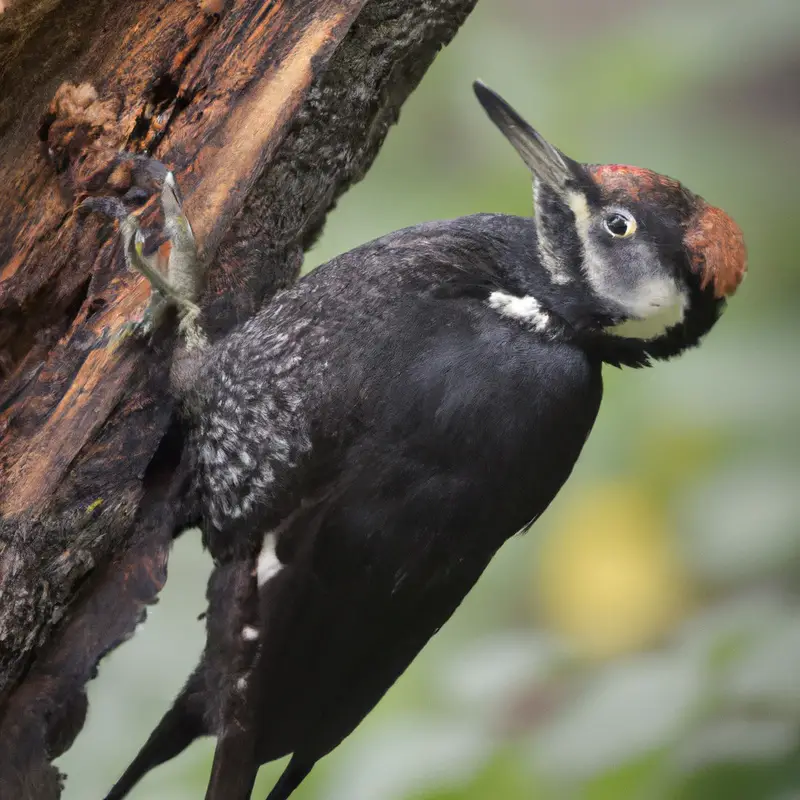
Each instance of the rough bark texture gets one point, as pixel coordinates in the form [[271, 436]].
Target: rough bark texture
[[266, 111]]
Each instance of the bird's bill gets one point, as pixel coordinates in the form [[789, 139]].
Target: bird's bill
[[542, 159]]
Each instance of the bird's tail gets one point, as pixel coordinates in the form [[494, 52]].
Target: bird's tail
[[179, 727], [292, 777]]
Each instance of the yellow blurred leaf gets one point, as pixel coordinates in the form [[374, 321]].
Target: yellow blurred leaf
[[608, 576]]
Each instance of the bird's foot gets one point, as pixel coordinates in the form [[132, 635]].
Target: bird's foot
[[180, 286]]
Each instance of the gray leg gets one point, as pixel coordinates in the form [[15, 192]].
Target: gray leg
[[181, 285]]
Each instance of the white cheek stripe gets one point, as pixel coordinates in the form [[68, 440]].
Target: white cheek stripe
[[592, 267], [549, 259], [654, 325], [655, 307], [268, 564], [525, 309], [580, 208]]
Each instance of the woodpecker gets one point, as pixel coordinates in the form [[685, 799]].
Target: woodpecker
[[373, 435]]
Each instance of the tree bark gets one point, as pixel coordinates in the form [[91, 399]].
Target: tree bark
[[266, 111]]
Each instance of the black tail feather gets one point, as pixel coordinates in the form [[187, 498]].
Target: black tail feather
[[294, 774], [179, 727]]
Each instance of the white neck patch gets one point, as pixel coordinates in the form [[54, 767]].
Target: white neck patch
[[524, 309], [268, 564]]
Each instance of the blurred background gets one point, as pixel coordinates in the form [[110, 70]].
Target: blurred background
[[643, 641]]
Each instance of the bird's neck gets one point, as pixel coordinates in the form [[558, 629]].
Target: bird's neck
[[560, 315], [563, 305]]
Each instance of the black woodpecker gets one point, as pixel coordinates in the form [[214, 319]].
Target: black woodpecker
[[369, 439]]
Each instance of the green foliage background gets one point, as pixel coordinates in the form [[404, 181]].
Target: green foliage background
[[643, 642]]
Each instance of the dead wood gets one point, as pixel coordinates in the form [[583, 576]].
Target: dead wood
[[266, 111]]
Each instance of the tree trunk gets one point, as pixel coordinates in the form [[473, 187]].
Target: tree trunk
[[266, 110]]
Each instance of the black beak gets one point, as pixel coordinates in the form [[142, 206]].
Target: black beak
[[542, 159]]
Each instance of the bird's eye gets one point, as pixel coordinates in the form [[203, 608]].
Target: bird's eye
[[620, 225]]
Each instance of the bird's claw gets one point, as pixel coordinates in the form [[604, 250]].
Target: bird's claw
[[145, 327]]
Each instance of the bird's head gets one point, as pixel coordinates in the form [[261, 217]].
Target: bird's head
[[653, 261]]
